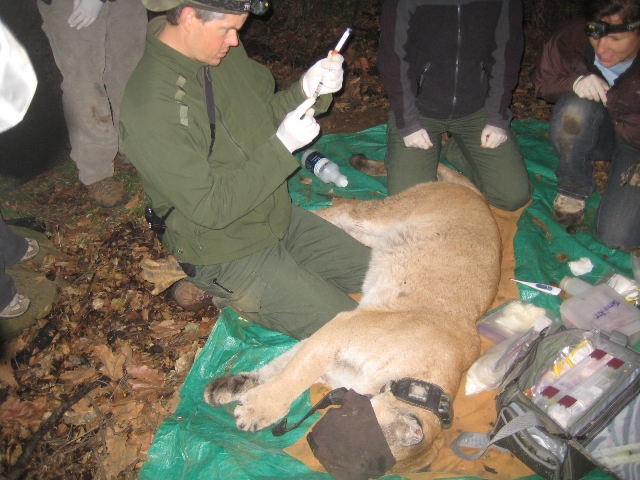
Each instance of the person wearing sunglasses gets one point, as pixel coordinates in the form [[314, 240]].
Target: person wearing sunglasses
[[590, 70]]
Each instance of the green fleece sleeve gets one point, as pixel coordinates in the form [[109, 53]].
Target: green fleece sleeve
[[210, 195]]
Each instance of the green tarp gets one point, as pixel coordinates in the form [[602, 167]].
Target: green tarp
[[202, 442]]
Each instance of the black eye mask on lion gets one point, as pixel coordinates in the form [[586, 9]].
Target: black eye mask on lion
[[348, 440]]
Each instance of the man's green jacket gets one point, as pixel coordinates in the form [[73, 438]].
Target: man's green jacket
[[235, 201]]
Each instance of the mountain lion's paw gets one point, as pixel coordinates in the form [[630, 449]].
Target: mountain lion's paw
[[224, 390]]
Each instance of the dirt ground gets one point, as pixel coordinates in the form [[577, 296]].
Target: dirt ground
[[84, 388]]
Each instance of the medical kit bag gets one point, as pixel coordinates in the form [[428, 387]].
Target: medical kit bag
[[568, 405]]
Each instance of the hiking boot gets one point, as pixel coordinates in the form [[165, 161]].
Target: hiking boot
[[568, 210], [108, 192], [190, 297], [17, 307], [32, 250]]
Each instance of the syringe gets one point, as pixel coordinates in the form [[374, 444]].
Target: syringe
[[343, 39], [336, 50]]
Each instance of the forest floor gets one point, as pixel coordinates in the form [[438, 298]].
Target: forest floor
[[83, 389]]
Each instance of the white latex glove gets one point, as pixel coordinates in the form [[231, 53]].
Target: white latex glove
[[592, 87], [492, 137], [328, 71], [84, 13], [419, 139], [299, 128]]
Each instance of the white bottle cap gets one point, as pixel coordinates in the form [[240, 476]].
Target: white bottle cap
[[342, 181]]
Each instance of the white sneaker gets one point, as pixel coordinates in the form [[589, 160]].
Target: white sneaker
[[32, 250], [17, 307], [568, 210]]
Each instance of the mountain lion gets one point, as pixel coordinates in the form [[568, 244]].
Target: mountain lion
[[434, 271]]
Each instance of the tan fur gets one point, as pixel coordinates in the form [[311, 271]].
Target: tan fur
[[370, 167], [434, 271]]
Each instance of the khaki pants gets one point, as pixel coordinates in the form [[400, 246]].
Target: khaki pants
[[500, 173], [297, 285], [95, 62]]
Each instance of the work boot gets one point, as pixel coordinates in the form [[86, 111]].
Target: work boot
[[190, 297], [108, 192], [568, 210], [17, 307]]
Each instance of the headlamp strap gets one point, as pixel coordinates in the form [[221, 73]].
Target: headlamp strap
[[334, 397], [424, 395], [624, 28]]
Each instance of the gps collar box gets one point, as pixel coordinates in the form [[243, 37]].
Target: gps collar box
[[597, 30], [257, 7]]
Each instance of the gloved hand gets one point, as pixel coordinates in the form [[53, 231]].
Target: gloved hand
[[329, 71], [299, 128], [491, 136], [162, 273], [84, 13], [419, 139], [592, 87], [631, 176]]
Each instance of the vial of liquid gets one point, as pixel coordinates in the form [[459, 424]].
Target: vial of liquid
[[323, 168]]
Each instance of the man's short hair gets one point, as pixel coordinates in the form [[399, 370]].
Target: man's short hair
[[173, 15], [629, 10]]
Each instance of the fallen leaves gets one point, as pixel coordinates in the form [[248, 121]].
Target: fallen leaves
[[142, 377], [121, 455], [26, 413], [79, 375], [107, 326], [112, 364]]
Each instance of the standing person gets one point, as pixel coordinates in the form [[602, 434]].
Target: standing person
[[213, 144], [17, 85], [452, 67], [96, 45], [590, 70]]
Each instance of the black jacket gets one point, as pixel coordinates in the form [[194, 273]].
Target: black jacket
[[449, 58]]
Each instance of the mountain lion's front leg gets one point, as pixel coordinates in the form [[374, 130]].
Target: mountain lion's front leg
[[223, 390], [265, 404]]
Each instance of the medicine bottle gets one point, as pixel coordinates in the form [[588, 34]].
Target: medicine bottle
[[323, 168]]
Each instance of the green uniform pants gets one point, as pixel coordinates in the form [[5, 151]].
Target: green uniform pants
[[297, 285], [499, 173]]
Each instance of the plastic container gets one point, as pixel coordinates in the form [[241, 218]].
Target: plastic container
[[512, 318], [573, 286], [624, 286], [601, 307], [323, 168]]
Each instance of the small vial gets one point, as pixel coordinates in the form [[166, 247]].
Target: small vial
[[323, 168], [573, 286]]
